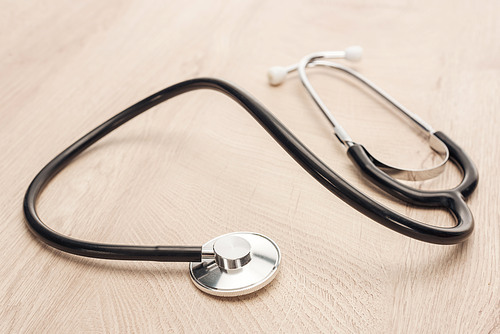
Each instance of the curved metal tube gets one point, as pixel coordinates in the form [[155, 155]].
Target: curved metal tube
[[435, 143]]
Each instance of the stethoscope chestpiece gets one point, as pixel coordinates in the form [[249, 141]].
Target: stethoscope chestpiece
[[236, 264]]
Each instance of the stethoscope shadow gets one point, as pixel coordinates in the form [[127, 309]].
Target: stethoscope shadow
[[440, 260]]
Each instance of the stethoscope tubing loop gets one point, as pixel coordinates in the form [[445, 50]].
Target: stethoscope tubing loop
[[312, 164]]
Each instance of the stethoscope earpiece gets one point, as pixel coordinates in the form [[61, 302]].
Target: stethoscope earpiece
[[353, 53], [277, 74]]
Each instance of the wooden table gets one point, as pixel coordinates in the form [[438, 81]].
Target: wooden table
[[198, 166]]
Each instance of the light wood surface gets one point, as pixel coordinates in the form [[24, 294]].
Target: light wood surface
[[198, 166]]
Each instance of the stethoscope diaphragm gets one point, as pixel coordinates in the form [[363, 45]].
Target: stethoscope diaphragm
[[236, 264]]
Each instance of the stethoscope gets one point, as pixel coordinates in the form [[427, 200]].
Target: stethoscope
[[239, 263]]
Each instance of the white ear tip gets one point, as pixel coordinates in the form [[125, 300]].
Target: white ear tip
[[276, 75], [354, 53]]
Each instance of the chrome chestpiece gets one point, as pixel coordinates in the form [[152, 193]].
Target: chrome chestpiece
[[236, 264]]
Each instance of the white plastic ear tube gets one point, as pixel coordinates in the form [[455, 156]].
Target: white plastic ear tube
[[277, 74], [354, 53]]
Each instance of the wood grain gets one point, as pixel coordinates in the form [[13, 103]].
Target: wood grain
[[197, 166]]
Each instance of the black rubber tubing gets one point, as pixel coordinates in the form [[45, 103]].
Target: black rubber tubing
[[453, 199], [312, 164]]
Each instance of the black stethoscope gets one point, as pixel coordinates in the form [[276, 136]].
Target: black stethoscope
[[242, 262]]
